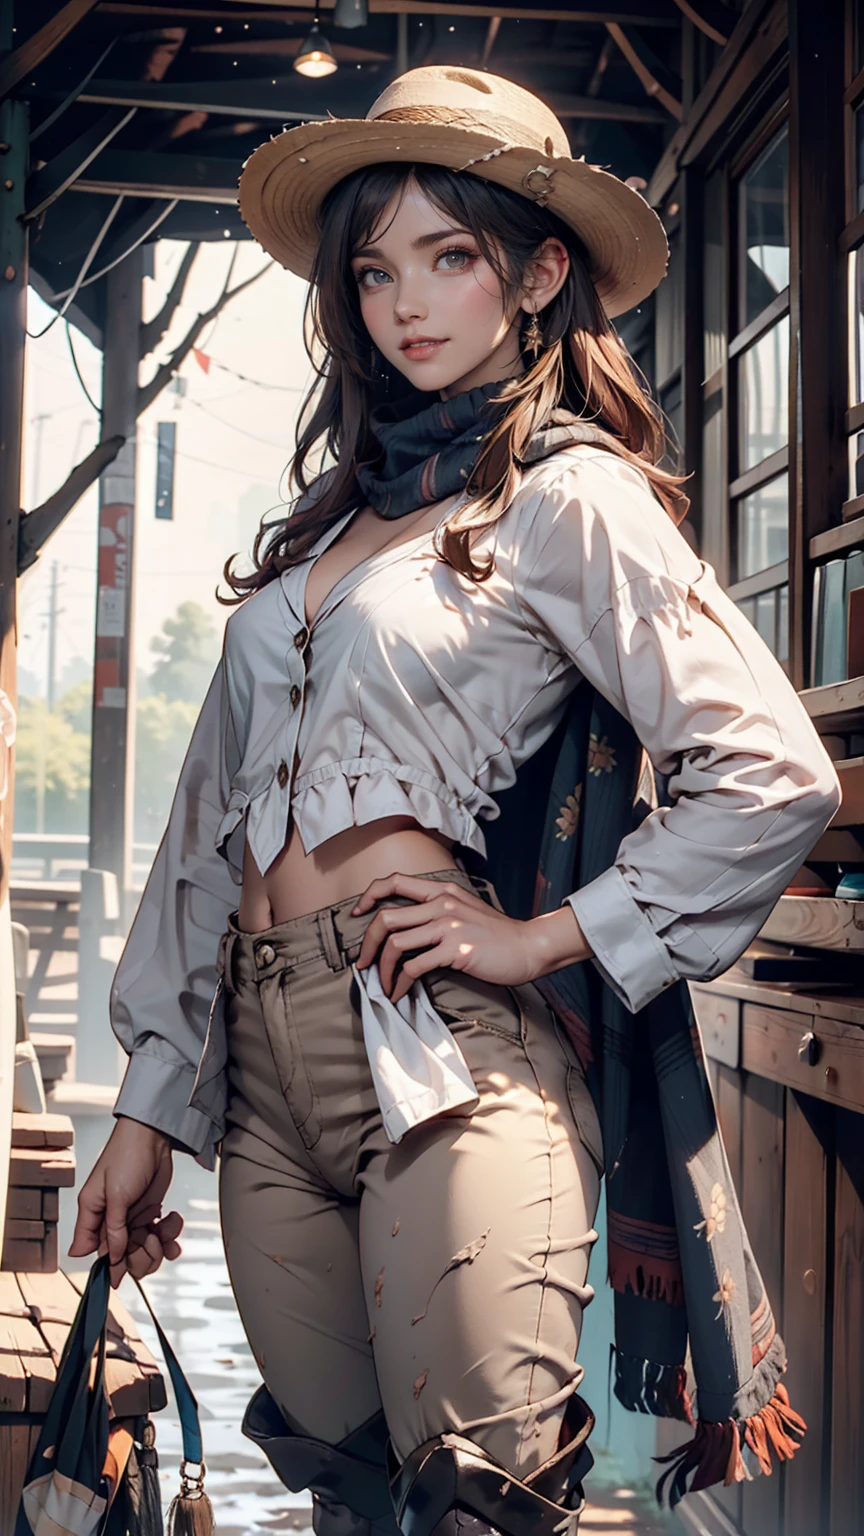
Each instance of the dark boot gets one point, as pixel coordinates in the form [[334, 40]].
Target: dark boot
[[348, 1481], [449, 1480]]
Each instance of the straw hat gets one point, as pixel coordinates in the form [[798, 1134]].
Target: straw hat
[[466, 120]]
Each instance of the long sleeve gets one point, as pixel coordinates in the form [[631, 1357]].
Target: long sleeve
[[166, 978], [611, 585]]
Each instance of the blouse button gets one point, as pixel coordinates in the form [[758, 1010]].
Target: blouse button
[[301, 637], [295, 696], [282, 774]]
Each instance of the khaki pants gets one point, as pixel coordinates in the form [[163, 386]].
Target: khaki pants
[[442, 1278]]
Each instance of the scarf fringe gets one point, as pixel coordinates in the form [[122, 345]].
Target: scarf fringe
[[642, 1386], [714, 1453], [663, 1281]]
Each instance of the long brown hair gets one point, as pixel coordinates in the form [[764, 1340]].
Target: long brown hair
[[582, 366]]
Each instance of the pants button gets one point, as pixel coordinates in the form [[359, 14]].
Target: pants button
[[265, 954]]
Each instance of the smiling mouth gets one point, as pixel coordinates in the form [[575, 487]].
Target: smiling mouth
[[424, 346]]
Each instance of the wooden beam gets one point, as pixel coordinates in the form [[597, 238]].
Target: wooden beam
[[757, 37], [265, 102], [818, 467], [45, 186], [163, 176], [654, 76], [712, 17], [643, 13], [288, 47], [16, 66]]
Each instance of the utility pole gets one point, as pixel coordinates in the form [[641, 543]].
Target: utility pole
[[112, 749], [53, 616]]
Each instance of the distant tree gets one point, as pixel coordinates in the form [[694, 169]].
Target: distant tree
[[188, 648], [50, 745], [76, 706]]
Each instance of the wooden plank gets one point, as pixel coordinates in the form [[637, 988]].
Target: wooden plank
[[36, 1362], [818, 460], [643, 13], [719, 1020], [808, 1133], [12, 1303], [770, 1040], [763, 1109], [822, 922], [24, 1204], [46, 1130], [13, 1380], [15, 1452], [50, 1205], [847, 1462], [16, 66], [729, 1116], [844, 1007], [16, 1227], [31, 1166], [843, 536]]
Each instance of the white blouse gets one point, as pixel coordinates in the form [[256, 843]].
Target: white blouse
[[418, 692]]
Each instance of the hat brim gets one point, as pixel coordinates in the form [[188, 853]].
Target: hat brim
[[284, 181]]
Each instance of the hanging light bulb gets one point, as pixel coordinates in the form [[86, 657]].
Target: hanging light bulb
[[351, 13], [315, 58]]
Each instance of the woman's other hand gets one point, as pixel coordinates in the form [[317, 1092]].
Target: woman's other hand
[[119, 1206], [456, 928]]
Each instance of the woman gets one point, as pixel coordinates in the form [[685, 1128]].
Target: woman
[[410, 1157]]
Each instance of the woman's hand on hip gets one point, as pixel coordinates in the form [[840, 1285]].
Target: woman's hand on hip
[[456, 928]]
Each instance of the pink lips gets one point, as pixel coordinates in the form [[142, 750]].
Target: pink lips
[[419, 347]]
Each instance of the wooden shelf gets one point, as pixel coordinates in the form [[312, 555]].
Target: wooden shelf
[[850, 771], [844, 536], [818, 922], [836, 707], [847, 1007]]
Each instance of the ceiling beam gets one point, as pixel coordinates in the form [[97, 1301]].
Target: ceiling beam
[[47, 184], [140, 173], [656, 78], [643, 13], [264, 102], [289, 47], [233, 98], [712, 17], [16, 66]]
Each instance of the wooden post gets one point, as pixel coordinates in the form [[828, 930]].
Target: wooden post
[[112, 749], [817, 448], [14, 127]]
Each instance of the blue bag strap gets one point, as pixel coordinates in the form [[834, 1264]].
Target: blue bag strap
[[187, 1403]]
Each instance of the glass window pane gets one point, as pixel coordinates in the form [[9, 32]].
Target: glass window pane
[[669, 333], [714, 274], [763, 229], [672, 403], [856, 465], [859, 158], [764, 393], [763, 528], [766, 610], [856, 326], [782, 652]]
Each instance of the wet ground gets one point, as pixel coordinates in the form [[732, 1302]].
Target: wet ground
[[193, 1300]]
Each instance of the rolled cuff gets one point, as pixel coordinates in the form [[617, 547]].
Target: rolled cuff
[[627, 952], [157, 1092]]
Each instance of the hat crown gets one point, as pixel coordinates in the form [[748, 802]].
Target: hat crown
[[496, 105]]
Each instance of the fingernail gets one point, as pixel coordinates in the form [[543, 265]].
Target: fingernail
[[354, 911]]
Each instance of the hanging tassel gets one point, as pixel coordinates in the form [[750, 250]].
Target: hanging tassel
[[190, 1512], [714, 1453]]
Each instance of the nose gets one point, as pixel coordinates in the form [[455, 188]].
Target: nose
[[410, 303]]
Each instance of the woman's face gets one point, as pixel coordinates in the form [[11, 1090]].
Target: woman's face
[[431, 304]]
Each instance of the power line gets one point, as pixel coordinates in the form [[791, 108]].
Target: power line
[[79, 373], [85, 267], [267, 441]]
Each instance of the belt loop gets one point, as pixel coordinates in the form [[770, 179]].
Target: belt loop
[[333, 951]]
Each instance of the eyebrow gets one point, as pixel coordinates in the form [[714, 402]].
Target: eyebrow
[[420, 244]]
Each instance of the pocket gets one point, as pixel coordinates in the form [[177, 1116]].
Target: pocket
[[491, 1005], [284, 1040], [585, 1115]]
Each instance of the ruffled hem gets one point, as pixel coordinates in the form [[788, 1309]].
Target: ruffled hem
[[361, 790]]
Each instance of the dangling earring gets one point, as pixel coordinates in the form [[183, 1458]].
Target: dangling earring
[[534, 336]]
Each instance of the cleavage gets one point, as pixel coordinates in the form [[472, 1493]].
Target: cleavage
[[343, 572]]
